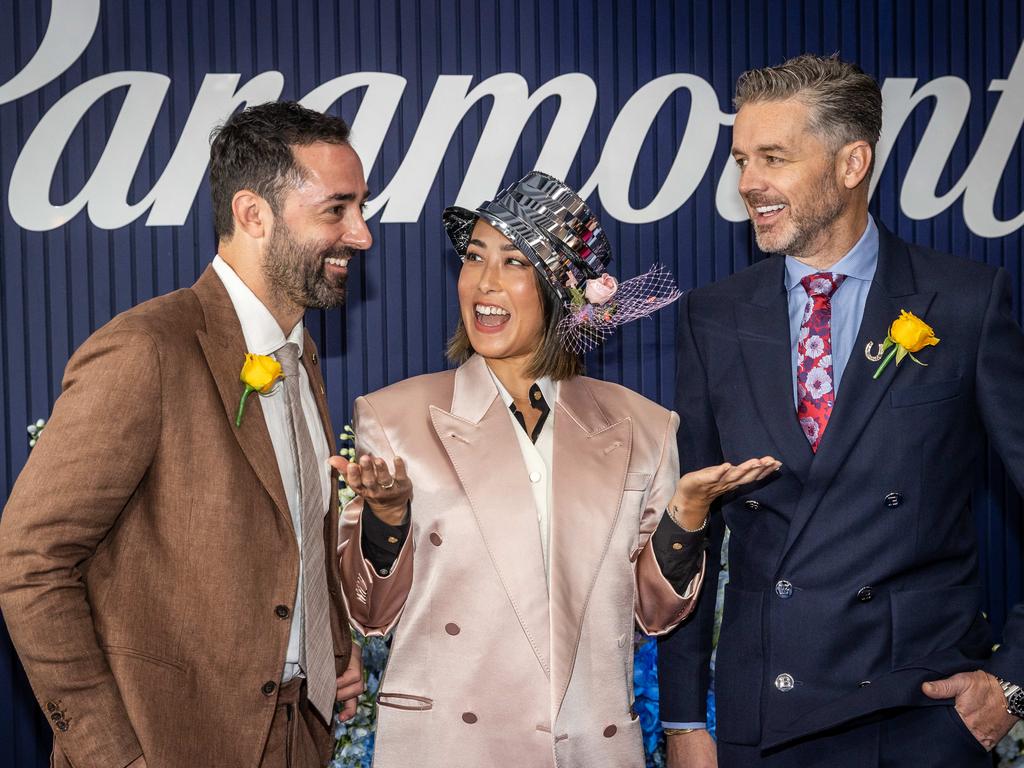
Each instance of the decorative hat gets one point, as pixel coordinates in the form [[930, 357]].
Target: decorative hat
[[556, 230]]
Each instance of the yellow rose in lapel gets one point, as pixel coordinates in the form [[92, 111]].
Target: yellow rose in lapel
[[259, 374], [911, 332], [907, 334]]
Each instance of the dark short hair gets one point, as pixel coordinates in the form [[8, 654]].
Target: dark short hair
[[551, 358], [845, 103], [253, 150]]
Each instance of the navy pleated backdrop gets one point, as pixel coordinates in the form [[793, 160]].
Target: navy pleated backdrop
[[60, 280]]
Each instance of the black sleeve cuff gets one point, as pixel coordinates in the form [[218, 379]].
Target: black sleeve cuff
[[382, 542], [679, 552]]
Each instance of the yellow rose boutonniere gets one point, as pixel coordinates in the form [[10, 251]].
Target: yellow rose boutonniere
[[259, 374], [908, 334]]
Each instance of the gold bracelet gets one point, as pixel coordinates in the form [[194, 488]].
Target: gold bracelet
[[678, 731]]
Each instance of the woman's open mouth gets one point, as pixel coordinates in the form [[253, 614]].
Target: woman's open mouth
[[490, 317]]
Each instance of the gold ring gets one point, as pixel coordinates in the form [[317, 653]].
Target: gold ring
[[389, 486]]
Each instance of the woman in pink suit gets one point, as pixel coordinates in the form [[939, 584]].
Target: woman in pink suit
[[509, 525]]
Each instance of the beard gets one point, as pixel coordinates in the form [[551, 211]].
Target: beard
[[295, 271], [798, 237]]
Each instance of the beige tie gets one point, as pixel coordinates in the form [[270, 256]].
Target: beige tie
[[318, 646]]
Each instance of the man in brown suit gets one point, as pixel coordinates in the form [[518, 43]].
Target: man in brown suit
[[169, 578]]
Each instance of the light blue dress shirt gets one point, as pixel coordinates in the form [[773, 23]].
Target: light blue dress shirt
[[847, 302]]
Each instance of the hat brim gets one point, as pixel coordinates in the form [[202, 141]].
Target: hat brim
[[459, 223]]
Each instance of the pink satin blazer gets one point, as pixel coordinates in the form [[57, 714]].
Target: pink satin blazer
[[490, 667]]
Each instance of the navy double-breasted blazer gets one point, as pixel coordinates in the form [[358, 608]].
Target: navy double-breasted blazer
[[853, 572]]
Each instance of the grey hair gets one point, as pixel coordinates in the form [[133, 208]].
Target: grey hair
[[845, 103]]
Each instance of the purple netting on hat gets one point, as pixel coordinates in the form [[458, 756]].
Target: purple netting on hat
[[589, 323]]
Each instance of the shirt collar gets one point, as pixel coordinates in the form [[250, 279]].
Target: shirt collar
[[261, 331], [548, 388], [859, 262]]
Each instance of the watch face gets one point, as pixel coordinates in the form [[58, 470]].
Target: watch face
[[1015, 703]]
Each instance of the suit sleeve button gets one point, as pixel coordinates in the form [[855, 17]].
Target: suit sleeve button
[[752, 505], [893, 499], [865, 594], [269, 687], [282, 612]]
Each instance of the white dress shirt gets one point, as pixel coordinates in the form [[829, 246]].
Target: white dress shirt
[[263, 336], [537, 456]]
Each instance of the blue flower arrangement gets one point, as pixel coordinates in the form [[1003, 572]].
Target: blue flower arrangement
[[645, 699]]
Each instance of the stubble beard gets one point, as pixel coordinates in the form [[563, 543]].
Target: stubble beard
[[806, 229], [295, 271]]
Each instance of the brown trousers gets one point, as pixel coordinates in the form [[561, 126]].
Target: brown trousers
[[295, 732]]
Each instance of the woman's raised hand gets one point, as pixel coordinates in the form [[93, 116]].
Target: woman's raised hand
[[696, 490], [387, 493]]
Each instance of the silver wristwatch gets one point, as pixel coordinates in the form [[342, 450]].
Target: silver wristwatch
[[1014, 697]]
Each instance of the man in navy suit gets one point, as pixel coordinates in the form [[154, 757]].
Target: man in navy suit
[[852, 633]]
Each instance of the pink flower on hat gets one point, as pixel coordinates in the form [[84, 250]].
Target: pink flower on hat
[[601, 289]]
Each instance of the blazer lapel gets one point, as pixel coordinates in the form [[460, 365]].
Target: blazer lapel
[[478, 436], [224, 347], [859, 395], [589, 463], [764, 335]]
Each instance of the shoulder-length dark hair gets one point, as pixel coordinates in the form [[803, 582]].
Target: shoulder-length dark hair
[[550, 359]]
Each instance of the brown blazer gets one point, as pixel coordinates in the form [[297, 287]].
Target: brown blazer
[[147, 550], [491, 662]]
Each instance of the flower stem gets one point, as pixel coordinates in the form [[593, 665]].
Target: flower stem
[[890, 356], [241, 404]]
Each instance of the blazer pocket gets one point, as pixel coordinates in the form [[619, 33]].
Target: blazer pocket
[[637, 481], [920, 394], [404, 701], [115, 650], [931, 621]]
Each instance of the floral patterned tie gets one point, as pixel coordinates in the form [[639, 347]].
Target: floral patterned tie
[[815, 392]]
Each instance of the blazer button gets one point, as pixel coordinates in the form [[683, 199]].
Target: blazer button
[[865, 594], [893, 499], [784, 589], [269, 687], [863, 683], [469, 717], [752, 505], [435, 538], [63, 726], [452, 629], [282, 612], [610, 731], [785, 682]]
